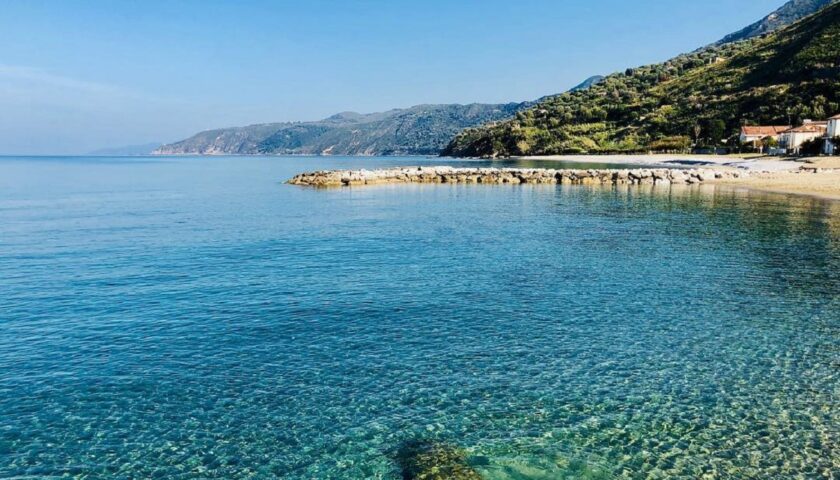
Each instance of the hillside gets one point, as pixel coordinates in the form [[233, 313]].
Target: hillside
[[593, 80], [419, 130], [704, 96], [787, 14]]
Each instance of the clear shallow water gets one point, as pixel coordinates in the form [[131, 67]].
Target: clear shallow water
[[196, 318]]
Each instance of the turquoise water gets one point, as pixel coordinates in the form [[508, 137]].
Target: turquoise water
[[196, 318]]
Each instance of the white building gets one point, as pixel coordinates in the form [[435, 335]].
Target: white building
[[793, 138], [832, 132]]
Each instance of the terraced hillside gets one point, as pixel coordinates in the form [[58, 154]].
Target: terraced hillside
[[702, 97]]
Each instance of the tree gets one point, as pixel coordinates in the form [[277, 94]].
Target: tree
[[697, 131], [767, 143], [671, 144], [715, 131]]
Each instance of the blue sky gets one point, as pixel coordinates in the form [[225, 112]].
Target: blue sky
[[79, 75]]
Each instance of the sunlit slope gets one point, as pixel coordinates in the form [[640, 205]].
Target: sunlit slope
[[787, 76]]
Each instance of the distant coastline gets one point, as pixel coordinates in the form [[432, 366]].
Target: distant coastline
[[418, 130]]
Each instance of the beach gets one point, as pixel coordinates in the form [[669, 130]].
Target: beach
[[823, 184], [746, 162], [814, 176]]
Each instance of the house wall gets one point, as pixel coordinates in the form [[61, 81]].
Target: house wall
[[793, 140], [785, 140], [798, 138]]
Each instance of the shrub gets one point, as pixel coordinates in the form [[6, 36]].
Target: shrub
[[671, 144], [812, 147]]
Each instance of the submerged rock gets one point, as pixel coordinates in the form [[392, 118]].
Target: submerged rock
[[428, 460]]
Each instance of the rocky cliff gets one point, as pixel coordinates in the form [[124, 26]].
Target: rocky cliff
[[787, 14]]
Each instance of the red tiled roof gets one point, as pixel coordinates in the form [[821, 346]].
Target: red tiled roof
[[763, 131], [836, 117], [816, 127]]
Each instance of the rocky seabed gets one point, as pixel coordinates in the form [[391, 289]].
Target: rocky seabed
[[495, 176]]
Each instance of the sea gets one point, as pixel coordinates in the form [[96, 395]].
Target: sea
[[196, 317]]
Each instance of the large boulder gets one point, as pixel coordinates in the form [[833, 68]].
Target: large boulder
[[429, 460]]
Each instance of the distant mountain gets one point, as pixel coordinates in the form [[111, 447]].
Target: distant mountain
[[593, 80], [789, 75], [419, 130], [145, 149], [784, 16]]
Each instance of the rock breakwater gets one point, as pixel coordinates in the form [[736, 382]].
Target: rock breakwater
[[351, 178]]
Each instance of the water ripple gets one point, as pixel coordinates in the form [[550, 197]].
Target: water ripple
[[199, 320]]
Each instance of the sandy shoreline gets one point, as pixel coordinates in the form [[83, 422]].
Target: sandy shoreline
[[768, 174], [747, 162], [823, 185]]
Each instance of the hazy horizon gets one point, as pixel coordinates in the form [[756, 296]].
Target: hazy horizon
[[81, 76]]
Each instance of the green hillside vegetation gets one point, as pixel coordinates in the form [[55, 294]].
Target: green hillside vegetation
[[699, 98]]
